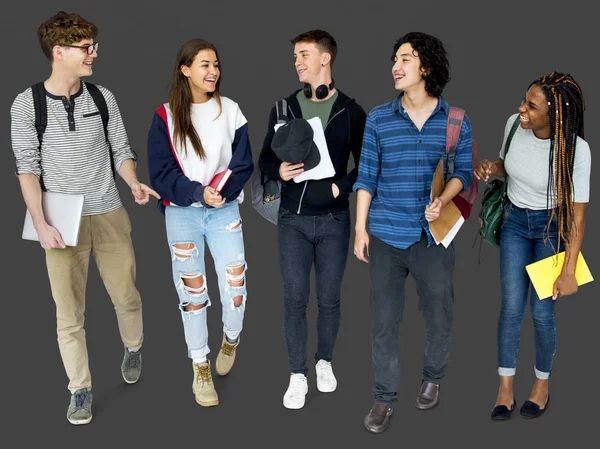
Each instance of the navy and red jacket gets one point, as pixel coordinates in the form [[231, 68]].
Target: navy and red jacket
[[168, 178]]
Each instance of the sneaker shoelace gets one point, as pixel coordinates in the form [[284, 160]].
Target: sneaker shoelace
[[324, 368], [297, 386], [80, 400], [133, 360]]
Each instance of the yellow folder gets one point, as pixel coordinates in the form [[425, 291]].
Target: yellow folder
[[544, 272]]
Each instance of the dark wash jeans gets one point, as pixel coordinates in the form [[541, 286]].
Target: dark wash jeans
[[304, 240], [523, 241], [432, 268]]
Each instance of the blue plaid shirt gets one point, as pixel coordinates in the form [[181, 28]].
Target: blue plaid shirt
[[396, 167]]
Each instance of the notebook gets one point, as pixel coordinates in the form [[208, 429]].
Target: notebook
[[62, 211], [218, 182], [544, 272]]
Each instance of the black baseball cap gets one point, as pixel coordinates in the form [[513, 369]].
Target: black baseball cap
[[293, 143]]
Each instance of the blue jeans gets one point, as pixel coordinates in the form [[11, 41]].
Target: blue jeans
[[304, 240], [189, 228], [523, 240]]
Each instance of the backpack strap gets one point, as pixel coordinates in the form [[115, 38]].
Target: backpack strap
[[281, 110], [100, 104], [40, 108], [281, 113], [41, 115], [103, 109], [453, 127], [511, 134]]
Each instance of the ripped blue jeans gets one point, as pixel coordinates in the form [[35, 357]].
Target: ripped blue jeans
[[188, 228]]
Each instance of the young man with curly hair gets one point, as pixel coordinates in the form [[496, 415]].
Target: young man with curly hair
[[403, 142], [76, 154]]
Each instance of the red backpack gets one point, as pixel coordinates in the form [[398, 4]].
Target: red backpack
[[464, 200]]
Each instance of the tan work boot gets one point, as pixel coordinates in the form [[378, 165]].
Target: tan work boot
[[226, 356], [203, 386]]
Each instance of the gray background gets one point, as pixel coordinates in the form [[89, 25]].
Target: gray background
[[495, 51]]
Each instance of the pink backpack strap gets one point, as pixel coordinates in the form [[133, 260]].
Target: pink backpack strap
[[453, 127]]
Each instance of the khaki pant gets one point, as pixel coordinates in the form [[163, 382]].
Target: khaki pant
[[107, 236]]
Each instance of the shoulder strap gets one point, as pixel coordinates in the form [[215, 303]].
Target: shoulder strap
[[40, 108], [41, 116], [453, 127], [100, 104], [511, 134], [281, 110], [103, 109]]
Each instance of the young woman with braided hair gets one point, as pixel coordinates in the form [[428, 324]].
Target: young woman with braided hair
[[548, 169]]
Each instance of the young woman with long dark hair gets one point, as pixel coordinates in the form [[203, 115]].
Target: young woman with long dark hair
[[196, 137]]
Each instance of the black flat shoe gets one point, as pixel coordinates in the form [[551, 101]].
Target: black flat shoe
[[532, 410], [502, 412]]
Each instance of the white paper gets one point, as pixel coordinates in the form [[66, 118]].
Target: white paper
[[325, 167], [451, 233]]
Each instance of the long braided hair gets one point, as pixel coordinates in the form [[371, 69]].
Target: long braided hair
[[565, 111]]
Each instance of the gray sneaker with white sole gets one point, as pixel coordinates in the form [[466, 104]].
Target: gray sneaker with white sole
[[80, 408], [131, 368]]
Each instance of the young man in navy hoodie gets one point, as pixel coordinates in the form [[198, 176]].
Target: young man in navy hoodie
[[314, 219]]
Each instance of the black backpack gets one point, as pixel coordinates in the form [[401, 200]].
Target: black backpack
[[41, 114], [266, 192]]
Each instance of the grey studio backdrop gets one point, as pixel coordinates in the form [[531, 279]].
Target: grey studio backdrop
[[495, 50]]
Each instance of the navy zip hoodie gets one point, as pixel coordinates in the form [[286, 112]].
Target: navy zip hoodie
[[344, 134]]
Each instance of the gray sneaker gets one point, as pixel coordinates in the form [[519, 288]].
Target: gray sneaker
[[131, 368], [80, 408]]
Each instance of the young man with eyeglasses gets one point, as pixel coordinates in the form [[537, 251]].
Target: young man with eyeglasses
[[73, 156]]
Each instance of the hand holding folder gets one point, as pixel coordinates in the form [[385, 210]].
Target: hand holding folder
[[446, 226], [544, 273]]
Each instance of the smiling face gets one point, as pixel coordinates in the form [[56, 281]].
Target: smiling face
[[75, 61], [309, 62], [203, 73], [533, 112], [407, 70]]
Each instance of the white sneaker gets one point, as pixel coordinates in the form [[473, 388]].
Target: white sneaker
[[294, 397], [326, 381]]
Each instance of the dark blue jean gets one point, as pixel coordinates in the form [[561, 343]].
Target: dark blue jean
[[432, 269], [524, 240], [304, 240]]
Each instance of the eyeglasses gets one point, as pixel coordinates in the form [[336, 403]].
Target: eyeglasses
[[90, 48]]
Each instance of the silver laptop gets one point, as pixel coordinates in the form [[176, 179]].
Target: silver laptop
[[62, 211]]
